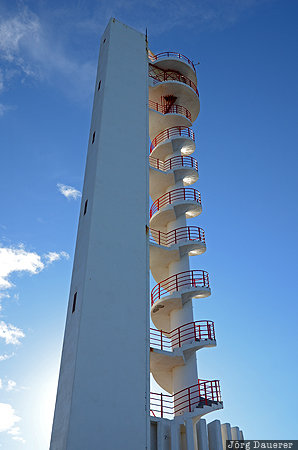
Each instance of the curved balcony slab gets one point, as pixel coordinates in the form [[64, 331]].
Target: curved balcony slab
[[186, 95], [196, 400], [170, 212], [162, 362], [161, 256], [162, 308], [183, 144], [175, 61], [160, 120], [161, 365], [163, 174]]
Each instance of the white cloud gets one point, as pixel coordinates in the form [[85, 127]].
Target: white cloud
[[8, 418], [15, 33], [68, 191], [8, 421], [11, 385], [8, 385], [32, 48], [19, 438], [15, 431], [54, 256], [17, 259], [4, 108], [1, 81], [5, 357], [10, 333]]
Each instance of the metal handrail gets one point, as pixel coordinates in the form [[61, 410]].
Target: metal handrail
[[170, 133], [172, 196], [169, 54], [182, 280], [189, 332], [205, 392], [190, 233], [161, 75], [173, 109], [173, 163]]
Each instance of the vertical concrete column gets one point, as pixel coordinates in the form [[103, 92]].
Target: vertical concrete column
[[190, 438], [163, 435], [235, 433], [183, 376], [175, 435], [202, 436], [214, 435], [225, 434]]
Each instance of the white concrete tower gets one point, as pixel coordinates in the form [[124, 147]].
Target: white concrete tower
[[103, 391], [173, 106]]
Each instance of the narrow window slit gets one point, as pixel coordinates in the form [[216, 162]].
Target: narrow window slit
[[85, 207], [93, 137], [99, 83], [74, 303]]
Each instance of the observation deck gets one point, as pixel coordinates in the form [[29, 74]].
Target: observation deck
[[175, 61], [172, 82]]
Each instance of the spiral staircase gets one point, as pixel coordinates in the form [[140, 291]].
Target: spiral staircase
[[173, 106]]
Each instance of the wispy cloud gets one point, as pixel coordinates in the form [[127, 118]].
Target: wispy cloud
[[9, 385], [19, 438], [68, 191], [10, 333], [30, 47], [5, 357], [18, 260], [54, 256], [4, 108]]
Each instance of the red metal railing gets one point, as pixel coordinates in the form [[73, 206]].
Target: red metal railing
[[173, 109], [203, 393], [193, 331], [169, 55], [191, 233], [173, 163], [170, 133], [182, 280], [172, 196], [160, 75]]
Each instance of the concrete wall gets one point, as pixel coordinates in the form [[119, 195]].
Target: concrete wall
[[104, 375]]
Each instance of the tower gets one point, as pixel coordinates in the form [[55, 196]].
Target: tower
[[103, 398], [103, 390]]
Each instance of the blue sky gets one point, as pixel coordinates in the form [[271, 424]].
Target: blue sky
[[247, 153]]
